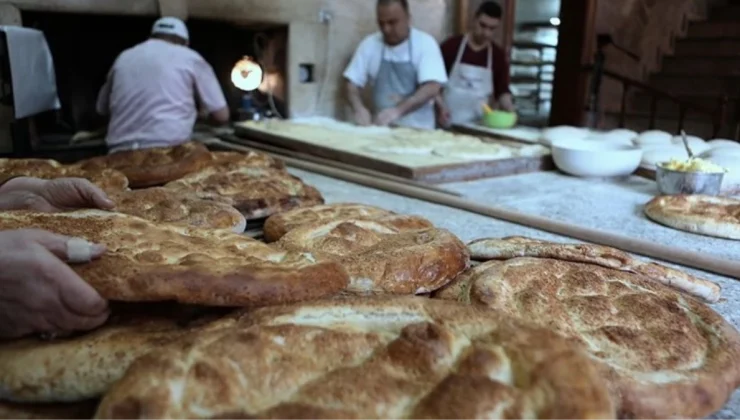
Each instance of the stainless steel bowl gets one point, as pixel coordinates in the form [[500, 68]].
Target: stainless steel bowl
[[672, 182]]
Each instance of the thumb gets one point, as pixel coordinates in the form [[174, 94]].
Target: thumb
[[67, 248], [92, 193]]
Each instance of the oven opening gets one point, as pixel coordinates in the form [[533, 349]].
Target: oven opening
[[84, 46]]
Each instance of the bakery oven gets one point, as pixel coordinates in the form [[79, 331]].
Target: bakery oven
[[84, 46]]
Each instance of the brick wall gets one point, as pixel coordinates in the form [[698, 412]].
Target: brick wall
[[646, 28]]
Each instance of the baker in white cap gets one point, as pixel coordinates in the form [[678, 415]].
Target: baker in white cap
[[39, 292], [151, 90]]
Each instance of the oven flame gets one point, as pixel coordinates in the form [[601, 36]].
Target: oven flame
[[246, 74]]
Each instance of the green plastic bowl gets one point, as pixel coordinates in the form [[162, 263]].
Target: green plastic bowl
[[499, 119]]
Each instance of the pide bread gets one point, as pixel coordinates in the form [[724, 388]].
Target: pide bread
[[109, 180], [664, 355], [702, 214], [278, 225], [154, 166], [516, 246], [161, 205], [371, 358], [146, 261], [381, 258], [83, 367], [256, 192]]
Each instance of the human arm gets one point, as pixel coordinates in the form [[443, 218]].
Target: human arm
[[356, 76], [425, 93], [102, 105], [27, 193], [209, 92], [39, 292], [431, 76], [501, 79]]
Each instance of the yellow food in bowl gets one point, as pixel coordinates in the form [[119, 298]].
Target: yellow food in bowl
[[693, 165]]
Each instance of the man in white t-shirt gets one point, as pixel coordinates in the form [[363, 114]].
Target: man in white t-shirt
[[152, 88], [404, 66]]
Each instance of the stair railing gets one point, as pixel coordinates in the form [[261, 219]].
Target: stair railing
[[717, 115]]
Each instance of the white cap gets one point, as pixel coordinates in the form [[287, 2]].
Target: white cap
[[171, 26]]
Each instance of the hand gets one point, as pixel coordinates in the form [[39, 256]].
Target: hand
[[506, 102], [387, 116], [362, 117], [443, 115], [52, 195], [39, 293]]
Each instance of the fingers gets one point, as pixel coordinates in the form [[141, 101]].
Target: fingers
[[83, 303], [73, 250], [92, 193]]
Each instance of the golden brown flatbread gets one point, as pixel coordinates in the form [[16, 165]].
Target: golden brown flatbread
[[702, 214], [256, 192], [109, 180], [516, 246], [664, 355], [155, 166], [381, 258], [386, 358], [234, 160], [161, 205], [146, 261], [278, 225], [82, 367]]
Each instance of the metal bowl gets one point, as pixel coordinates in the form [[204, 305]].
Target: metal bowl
[[672, 182]]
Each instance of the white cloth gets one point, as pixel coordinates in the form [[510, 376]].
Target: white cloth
[[469, 88], [32, 69], [150, 95], [427, 58]]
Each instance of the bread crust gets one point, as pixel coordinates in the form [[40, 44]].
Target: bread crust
[[517, 246], [155, 166], [278, 225], [161, 205], [82, 367], [110, 180], [159, 262], [380, 257], [256, 192], [664, 355], [370, 358], [702, 214]]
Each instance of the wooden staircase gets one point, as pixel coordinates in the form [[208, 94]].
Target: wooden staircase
[[704, 66]]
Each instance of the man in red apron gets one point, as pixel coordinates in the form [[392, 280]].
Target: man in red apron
[[404, 66], [478, 71]]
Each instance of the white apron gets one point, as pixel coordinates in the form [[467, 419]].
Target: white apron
[[469, 88], [395, 82]]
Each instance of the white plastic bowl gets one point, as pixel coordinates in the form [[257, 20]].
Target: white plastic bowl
[[596, 159]]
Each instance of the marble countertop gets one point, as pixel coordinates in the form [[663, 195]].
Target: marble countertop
[[612, 205]]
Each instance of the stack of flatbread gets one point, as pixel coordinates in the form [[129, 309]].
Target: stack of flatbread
[[662, 353]]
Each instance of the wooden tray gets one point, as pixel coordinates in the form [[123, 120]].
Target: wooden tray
[[438, 174], [491, 134]]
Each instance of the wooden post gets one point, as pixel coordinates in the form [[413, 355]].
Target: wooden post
[[575, 49], [508, 25], [463, 7]]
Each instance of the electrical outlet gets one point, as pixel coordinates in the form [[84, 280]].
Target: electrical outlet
[[325, 16]]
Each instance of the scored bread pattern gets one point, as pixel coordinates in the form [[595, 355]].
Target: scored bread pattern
[[109, 180], [149, 262], [706, 215], [278, 225], [382, 257], [406, 358], [161, 205], [256, 192], [664, 354]]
